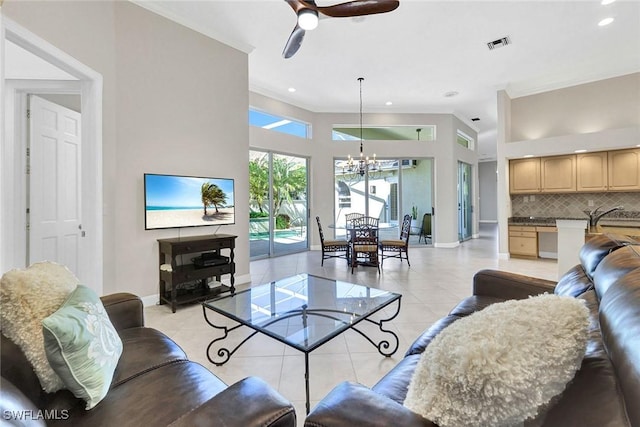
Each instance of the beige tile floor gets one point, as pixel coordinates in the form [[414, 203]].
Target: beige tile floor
[[435, 282]]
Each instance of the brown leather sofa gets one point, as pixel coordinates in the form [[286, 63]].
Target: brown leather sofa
[[154, 385], [605, 391]]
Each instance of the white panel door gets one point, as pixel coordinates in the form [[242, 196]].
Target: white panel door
[[55, 226]]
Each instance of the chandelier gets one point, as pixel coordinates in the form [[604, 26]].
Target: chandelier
[[364, 164]]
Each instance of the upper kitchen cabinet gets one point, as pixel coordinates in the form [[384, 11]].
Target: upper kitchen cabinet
[[624, 170], [524, 175], [592, 171], [558, 174]]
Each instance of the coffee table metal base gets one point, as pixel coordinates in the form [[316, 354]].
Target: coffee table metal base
[[386, 347]]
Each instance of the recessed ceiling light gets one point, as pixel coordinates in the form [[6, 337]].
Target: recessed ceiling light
[[527, 156], [606, 2], [580, 151], [292, 89], [605, 21], [388, 103], [451, 94]]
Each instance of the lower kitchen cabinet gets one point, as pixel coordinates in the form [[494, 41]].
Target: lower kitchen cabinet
[[523, 241]]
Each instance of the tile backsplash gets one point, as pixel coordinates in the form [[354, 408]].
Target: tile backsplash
[[573, 205]]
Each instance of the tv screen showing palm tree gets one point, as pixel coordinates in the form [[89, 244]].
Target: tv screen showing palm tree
[[187, 201]]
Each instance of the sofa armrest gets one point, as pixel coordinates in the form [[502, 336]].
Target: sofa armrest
[[249, 402], [125, 310], [350, 404], [501, 284]]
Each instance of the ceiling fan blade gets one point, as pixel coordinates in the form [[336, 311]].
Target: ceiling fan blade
[[294, 42], [359, 8]]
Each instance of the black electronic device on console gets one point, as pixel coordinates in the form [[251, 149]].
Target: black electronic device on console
[[210, 259]]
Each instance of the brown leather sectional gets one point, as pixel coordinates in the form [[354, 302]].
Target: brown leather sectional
[[154, 385], [605, 391]]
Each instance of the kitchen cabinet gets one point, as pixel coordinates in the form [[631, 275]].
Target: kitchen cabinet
[[591, 171], [624, 170], [523, 241], [601, 171], [524, 175], [558, 174]]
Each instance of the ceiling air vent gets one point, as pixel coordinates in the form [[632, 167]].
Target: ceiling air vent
[[499, 43]]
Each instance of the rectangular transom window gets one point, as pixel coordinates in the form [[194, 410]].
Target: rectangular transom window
[[279, 124], [465, 140], [385, 133]]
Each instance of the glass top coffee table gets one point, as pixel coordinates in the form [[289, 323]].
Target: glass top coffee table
[[304, 312]]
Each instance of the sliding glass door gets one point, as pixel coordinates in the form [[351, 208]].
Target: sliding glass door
[[465, 209], [398, 187], [278, 188]]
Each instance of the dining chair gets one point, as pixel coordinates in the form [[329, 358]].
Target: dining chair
[[332, 248], [425, 231], [350, 218], [394, 248], [364, 243]]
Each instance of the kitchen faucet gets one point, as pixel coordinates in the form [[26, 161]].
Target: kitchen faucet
[[594, 217]]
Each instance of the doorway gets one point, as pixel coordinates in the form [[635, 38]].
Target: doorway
[[278, 217], [14, 184], [54, 220]]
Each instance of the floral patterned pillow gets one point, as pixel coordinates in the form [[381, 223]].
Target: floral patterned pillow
[[82, 345]]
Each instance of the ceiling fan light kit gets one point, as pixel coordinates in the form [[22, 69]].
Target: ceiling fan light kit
[[307, 19], [307, 12]]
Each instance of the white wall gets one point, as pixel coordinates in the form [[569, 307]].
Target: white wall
[[174, 102]]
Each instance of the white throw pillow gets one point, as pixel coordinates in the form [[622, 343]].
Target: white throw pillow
[[26, 297], [498, 366]]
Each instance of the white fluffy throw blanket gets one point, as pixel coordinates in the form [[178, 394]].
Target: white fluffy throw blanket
[[26, 297], [499, 366]]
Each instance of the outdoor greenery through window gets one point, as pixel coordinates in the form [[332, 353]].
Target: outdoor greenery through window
[[278, 203], [464, 140], [279, 123], [384, 133]]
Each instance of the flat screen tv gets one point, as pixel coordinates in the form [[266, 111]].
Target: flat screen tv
[[172, 201]]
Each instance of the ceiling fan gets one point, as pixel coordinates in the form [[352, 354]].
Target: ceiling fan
[[307, 12]]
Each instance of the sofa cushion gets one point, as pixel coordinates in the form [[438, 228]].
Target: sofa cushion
[[427, 336], [145, 349], [598, 247], [620, 324], [614, 266], [395, 383], [156, 398], [82, 345], [593, 396], [500, 365], [574, 282], [16, 408], [26, 297], [474, 303]]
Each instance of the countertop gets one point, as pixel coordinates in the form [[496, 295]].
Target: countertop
[[629, 225]]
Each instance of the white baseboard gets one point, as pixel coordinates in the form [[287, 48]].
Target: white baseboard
[[488, 221], [447, 245]]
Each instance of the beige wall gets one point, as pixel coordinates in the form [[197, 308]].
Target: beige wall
[[592, 107], [174, 102]]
